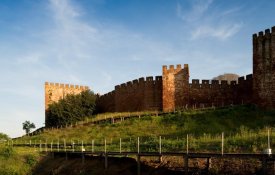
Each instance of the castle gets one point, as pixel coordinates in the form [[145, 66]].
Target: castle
[[172, 90], [55, 91]]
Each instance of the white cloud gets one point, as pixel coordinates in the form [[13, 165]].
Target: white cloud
[[221, 32], [198, 9], [204, 22]]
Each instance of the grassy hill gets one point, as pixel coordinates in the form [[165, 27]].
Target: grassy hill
[[17, 161], [245, 130]]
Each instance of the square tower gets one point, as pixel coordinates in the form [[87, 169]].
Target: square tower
[[264, 68], [175, 82]]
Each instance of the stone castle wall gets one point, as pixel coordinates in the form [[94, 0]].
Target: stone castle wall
[[210, 93], [264, 68], [172, 91], [137, 95], [56, 91]]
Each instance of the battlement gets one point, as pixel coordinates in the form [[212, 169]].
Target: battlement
[[266, 33], [112, 93], [195, 83], [139, 82], [172, 68], [60, 85]]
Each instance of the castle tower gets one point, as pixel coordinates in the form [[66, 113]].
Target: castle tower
[[175, 82], [264, 68], [55, 91]]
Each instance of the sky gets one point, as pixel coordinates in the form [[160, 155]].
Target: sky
[[103, 43]]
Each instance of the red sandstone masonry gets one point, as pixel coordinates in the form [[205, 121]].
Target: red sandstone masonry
[[137, 95]]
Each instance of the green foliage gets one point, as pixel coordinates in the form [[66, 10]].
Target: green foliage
[[27, 126], [71, 109], [17, 161], [3, 137], [30, 159], [7, 152]]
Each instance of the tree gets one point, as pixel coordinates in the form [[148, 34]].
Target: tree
[[3, 137], [70, 109], [27, 126]]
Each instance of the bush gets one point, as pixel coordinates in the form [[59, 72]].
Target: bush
[[30, 160], [7, 152]]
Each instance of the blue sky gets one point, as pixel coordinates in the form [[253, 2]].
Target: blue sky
[[102, 43]]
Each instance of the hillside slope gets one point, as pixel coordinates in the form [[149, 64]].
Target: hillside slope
[[244, 127]]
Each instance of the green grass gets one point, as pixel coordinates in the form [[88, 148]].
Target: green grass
[[245, 130], [17, 161]]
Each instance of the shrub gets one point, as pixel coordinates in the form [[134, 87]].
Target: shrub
[[7, 152], [30, 160]]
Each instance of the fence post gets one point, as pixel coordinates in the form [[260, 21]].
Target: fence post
[[58, 145], [46, 146], [82, 150], [187, 144], [82, 147], [105, 146], [120, 145], [159, 144], [138, 145], [268, 139], [72, 145], [160, 156], [40, 146], [222, 142], [93, 146], [65, 146]]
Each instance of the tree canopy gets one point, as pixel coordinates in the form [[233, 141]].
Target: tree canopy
[[3, 137], [70, 109], [27, 126]]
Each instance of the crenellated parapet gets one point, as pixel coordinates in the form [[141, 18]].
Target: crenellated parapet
[[173, 69], [60, 85], [139, 82]]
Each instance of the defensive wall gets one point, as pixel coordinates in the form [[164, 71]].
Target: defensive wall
[[137, 95], [173, 91], [209, 93]]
